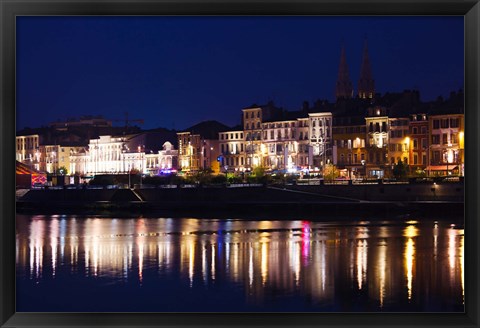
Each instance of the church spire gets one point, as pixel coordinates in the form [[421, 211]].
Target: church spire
[[366, 84], [344, 87]]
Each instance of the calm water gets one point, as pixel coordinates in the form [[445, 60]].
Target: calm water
[[71, 263]]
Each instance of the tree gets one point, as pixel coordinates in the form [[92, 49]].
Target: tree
[[400, 170], [330, 172], [62, 170], [203, 177]]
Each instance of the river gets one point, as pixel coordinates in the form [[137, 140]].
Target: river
[[97, 264]]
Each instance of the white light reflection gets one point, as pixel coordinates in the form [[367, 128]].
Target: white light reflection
[[263, 256], [250, 266], [63, 236], [382, 267], [54, 243], [362, 252], [213, 262], [294, 257], [452, 236], [409, 256], [191, 260], [37, 229], [204, 262], [410, 232]]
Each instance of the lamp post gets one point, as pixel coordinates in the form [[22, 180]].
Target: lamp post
[[364, 168], [449, 155], [407, 149]]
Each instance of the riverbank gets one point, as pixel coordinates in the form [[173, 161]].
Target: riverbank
[[306, 201]]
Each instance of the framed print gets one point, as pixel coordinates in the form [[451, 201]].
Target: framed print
[[249, 164]]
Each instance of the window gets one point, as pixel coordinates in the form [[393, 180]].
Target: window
[[445, 138], [415, 145], [415, 130], [454, 138], [424, 130], [424, 159], [362, 156], [415, 159], [444, 124], [272, 134], [435, 139], [377, 127], [355, 158], [258, 114], [342, 158], [424, 143], [247, 126], [436, 124], [236, 135], [454, 122], [370, 128]]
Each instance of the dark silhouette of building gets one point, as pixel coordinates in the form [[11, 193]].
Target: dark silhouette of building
[[366, 83], [344, 87]]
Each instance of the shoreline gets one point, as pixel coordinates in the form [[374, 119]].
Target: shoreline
[[318, 210], [293, 201]]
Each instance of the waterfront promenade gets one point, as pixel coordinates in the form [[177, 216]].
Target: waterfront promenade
[[427, 198]]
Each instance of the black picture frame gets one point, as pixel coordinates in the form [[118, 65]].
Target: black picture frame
[[9, 9]]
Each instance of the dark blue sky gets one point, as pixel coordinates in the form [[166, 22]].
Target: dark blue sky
[[174, 72]]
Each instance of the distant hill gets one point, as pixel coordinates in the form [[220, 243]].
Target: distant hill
[[208, 129]]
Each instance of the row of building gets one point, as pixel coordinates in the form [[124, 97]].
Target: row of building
[[370, 147]]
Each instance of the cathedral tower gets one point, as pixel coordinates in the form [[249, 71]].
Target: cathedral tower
[[344, 87], [366, 84]]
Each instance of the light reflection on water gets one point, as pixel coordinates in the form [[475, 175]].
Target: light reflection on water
[[343, 266]]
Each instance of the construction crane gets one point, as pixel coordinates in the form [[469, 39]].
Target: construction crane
[[128, 121]]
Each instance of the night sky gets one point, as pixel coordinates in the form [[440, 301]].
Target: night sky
[[174, 72]]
